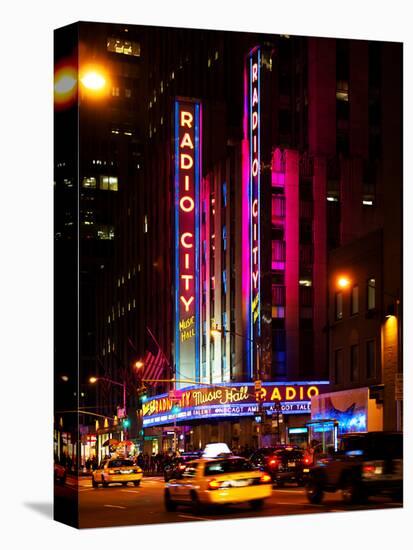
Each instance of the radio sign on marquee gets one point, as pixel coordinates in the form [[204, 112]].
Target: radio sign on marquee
[[187, 184], [231, 400]]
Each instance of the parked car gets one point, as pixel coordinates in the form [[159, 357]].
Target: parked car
[[283, 464], [116, 470], [365, 464], [218, 481]]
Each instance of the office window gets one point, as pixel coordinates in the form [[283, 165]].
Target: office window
[[354, 300], [371, 294], [128, 92], [370, 359], [338, 365], [89, 183], [115, 91], [339, 306], [125, 47], [354, 363], [108, 183]]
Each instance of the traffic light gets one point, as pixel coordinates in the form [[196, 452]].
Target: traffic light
[[126, 422], [175, 409]]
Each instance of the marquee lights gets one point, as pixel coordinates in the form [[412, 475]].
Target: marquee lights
[[187, 183], [231, 400]]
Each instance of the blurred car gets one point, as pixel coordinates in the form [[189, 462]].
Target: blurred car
[[283, 463], [218, 481], [365, 464], [59, 473], [116, 470], [177, 465]]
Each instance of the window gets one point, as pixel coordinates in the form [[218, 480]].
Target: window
[[89, 183], [339, 306], [108, 183], [338, 365], [371, 294], [106, 232], [354, 363], [126, 47], [145, 224], [354, 300], [115, 91], [370, 359], [128, 92]]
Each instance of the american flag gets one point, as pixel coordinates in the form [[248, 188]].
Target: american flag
[[154, 361]]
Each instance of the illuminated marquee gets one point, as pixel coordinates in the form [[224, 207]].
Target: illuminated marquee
[[187, 182], [235, 400]]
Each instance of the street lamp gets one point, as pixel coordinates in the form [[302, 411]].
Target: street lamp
[[94, 379]]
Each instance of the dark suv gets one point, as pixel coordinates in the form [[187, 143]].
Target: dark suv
[[284, 464], [365, 464]]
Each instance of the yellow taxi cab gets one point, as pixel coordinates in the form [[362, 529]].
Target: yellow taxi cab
[[218, 481], [116, 470]]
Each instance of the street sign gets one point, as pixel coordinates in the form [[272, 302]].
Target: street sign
[[399, 386]]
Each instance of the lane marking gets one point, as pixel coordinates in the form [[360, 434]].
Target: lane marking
[[290, 491], [114, 506], [130, 491], [194, 517]]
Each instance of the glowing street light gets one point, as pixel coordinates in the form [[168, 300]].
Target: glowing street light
[[139, 364], [343, 282], [93, 379], [93, 80]]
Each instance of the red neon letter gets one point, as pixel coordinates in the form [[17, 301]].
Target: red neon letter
[[255, 278], [254, 97], [186, 162], [255, 208], [254, 120], [254, 169], [187, 303], [186, 119], [183, 240], [190, 202], [187, 278], [255, 72], [186, 141]]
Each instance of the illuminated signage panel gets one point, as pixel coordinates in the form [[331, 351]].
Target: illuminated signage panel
[[235, 400], [187, 182], [251, 203]]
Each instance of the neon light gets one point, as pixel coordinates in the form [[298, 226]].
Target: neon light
[[251, 203], [187, 181]]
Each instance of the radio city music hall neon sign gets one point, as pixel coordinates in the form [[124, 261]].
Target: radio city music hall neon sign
[[254, 125], [187, 184], [235, 394]]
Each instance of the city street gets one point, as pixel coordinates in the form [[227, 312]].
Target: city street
[[118, 505]]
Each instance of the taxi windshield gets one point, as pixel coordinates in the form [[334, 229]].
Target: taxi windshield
[[228, 466]]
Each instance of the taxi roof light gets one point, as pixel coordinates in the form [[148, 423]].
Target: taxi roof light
[[215, 450]]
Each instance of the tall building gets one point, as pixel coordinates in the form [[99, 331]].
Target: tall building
[[243, 172]]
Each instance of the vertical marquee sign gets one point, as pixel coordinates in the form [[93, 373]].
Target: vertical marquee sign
[[254, 177], [187, 126]]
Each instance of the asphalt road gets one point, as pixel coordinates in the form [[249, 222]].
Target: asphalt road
[[118, 505]]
